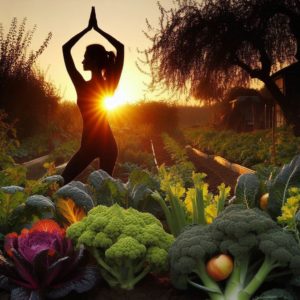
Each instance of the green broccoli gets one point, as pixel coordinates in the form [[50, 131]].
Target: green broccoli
[[126, 243], [256, 243]]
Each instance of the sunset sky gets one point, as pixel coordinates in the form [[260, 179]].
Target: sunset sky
[[124, 19]]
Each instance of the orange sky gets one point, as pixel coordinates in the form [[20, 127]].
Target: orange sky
[[124, 19]]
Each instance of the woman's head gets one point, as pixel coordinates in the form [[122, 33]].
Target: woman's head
[[96, 58]]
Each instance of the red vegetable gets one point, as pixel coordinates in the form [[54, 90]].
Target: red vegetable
[[219, 267]]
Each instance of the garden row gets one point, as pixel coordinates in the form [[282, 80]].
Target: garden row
[[250, 149], [59, 239]]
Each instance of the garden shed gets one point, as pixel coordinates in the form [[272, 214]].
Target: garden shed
[[248, 113]]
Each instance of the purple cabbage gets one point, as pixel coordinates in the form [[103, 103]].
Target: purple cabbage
[[42, 262]]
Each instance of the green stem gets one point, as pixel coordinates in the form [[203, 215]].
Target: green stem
[[267, 266], [237, 279], [209, 283], [105, 266], [129, 285], [200, 207], [179, 214], [157, 197], [221, 202]]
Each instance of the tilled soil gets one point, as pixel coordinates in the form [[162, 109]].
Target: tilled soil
[[150, 288]]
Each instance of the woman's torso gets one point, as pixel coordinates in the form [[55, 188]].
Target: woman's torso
[[90, 100]]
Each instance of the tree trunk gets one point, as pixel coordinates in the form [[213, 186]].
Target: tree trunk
[[290, 110]]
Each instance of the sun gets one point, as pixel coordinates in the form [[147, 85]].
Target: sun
[[115, 101]]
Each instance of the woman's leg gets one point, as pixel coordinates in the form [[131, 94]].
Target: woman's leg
[[77, 164], [109, 156]]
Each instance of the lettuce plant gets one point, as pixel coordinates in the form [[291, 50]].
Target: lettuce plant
[[41, 262]]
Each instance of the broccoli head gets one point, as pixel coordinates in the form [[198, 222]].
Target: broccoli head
[[126, 243], [256, 243]]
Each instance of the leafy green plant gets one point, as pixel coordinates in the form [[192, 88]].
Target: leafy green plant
[[257, 244], [15, 175], [134, 193], [290, 213], [64, 151], [21, 205], [126, 243], [248, 149], [10, 198], [70, 203], [194, 205], [182, 166], [250, 188]]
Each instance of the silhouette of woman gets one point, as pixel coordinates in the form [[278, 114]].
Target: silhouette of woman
[[97, 139]]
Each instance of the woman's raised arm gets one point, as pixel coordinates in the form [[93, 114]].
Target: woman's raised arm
[[118, 45], [75, 76]]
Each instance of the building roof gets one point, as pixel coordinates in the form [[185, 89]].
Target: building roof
[[243, 99], [291, 69]]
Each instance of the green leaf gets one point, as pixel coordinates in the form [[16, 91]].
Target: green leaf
[[54, 178], [112, 191], [142, 177], [276, 294], [247, 190], [78, 195], [40, 203], [12, 189], [278, 188], [138, 195], [96, 179], [204, 288], [107, 189]]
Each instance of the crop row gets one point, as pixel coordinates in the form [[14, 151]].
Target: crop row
[[228, 248]]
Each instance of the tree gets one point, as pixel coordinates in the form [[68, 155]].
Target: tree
[[24, 93], [207, 47]]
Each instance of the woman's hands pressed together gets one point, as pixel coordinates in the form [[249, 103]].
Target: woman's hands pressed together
[[93, 20]]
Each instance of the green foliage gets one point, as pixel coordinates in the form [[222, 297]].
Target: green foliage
[[64, 151], [183, 206], [32, 147], [135, 193], [126, 243], [248, 149], [10, 198], [78, 192], [250, 187], [290, 213], [134, 146], [182, 166], [42, 204], [257, 244], [276, 294], [20, 205], [247, 190], [13, 176], [287, 177]]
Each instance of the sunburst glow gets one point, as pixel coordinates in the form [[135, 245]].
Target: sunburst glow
[[115, 101]]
